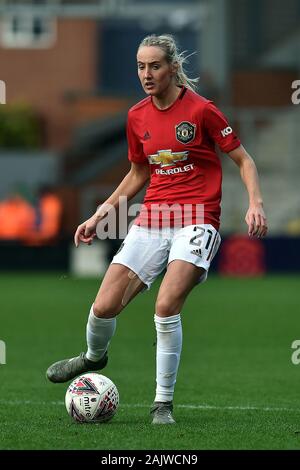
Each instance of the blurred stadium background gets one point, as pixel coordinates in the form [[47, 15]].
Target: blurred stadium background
[[70, 74]]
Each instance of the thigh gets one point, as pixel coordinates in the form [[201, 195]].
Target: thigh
[[192, 250], [177, 283], [119, 286], [196, 244], [145, 252]]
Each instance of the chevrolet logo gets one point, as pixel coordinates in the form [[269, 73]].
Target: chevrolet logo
[[167, 157]]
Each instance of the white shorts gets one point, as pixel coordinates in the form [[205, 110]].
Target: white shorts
[[148, 251]]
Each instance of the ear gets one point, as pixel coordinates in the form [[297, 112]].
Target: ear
[[174, 68]]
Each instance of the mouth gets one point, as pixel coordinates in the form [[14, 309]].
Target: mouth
[[149, 86]]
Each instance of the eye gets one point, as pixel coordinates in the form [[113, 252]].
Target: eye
[[140, 66], [156, 67]]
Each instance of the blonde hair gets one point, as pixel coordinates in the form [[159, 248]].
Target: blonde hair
[[167, 43]]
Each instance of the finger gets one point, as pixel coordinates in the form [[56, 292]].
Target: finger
[[86, 239], [89, 231], [262, 226], [264, 230], [79, 234], [250, 221], [91, 239], [257, 225], [264, 233], [76, 237]]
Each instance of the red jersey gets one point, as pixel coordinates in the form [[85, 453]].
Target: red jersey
[[179, 145]]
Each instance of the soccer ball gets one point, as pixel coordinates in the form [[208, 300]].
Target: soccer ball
[[92, 398]]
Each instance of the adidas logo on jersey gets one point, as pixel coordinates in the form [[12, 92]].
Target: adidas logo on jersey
[[196, 252], [147, 136]]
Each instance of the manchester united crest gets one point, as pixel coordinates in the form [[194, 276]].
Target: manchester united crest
[[185, 132]]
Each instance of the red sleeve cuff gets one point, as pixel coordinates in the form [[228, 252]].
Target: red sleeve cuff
[[231, 146]]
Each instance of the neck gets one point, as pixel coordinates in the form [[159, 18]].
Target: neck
[[167, 98]]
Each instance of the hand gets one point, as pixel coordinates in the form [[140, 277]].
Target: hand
[[86, 231], [256, 221]]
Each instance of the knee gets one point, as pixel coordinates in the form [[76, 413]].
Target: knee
[[167, 306], [105, 309]]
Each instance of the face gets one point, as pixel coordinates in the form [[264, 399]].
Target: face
[[155, 73]]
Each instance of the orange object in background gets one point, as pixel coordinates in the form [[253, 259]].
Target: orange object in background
[[17, 218], [49, 224], [242, 256]]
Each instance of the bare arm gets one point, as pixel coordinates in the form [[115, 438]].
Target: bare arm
[[255, 217], [131, 184]]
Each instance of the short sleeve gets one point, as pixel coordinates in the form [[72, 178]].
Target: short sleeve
[[218, 128], [135, 147]]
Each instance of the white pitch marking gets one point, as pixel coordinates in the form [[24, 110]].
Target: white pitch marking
[[140, 405]]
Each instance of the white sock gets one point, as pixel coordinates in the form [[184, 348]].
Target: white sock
[[99, 332], [168, 350]]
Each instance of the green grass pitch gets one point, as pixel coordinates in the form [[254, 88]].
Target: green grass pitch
[[237, 387]]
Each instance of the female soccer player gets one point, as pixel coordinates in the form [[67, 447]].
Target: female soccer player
[[171, 141]]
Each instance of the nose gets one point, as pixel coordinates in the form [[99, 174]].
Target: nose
[[148, 72]]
